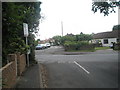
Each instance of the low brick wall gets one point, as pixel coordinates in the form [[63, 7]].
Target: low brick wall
[[14, 68], [9, 75], [21, 63]]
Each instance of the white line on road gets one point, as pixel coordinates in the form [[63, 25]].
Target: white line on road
[[82, 67]]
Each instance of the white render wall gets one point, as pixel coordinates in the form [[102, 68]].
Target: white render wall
[[109, 41]]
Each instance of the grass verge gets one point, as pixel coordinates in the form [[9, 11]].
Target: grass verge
[[80, 51], [96, 48], [101, 48]]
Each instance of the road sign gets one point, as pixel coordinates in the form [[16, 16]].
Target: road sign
[[25, 28]]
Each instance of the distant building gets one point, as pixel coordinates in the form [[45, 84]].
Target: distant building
[[107, 38], [69, 34], [50, 40]]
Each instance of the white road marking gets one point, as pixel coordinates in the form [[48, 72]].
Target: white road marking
[[82, 67]]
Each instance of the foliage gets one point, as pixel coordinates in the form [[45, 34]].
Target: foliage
[[78, 45], [79, 37], [117, 46], [116, 27], [57, 40], [70, 45], [101, 48], [106, 7], [14, 14], [83, 37], [67, 38], [31, 43]]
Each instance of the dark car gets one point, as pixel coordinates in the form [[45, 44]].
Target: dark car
[[39, 47]]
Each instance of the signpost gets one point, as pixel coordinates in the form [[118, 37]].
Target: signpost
[[25, 28]]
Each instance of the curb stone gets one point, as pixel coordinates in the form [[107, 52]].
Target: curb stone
[[43, 76]]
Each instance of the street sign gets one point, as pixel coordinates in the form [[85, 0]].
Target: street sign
[[28, 51], [25, 28]]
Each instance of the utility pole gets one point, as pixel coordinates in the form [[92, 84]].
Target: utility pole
[[62, 27]]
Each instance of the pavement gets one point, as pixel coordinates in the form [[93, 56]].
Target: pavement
[[30, 78]]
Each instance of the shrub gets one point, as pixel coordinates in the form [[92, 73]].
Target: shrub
[[117, 46], [80, 45]]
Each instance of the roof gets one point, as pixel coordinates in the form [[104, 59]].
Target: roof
[[69, 34], [110, 34]]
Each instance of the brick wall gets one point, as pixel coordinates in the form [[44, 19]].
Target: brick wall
[[9, 75], [21, 63], [14, 68]]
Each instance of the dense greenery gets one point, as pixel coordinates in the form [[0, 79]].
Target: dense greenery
[[79, 45], [14, 14], [78, 37], [116, 27], [67, 38], [101, 48], [57, 40], [106, 7], [74, 42]]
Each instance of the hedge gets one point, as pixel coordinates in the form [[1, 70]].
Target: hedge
[[80, 45]]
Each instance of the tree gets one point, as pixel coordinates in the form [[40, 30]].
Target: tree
[[67, 38], [116, 27], [38, 40], [14, 15], [105, 7], [57, 39], [83, 37]]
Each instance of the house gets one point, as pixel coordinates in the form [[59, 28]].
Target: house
[[107, 38], [50, 40], [69, 34]]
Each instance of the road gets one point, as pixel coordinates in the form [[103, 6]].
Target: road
[[84, 70]]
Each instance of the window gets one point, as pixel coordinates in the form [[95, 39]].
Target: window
[[105, 41]]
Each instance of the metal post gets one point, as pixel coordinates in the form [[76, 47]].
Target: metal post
[[62, 27], [27, 53]]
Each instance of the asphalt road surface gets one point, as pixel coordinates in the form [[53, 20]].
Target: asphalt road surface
[[80, 70]]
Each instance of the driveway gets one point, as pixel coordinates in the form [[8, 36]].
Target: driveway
[[85, 70]]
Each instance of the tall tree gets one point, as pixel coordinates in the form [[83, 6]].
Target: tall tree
[[116, 27], [106, 7], [14, 15]]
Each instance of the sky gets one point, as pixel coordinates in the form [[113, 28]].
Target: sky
[[76, 16]]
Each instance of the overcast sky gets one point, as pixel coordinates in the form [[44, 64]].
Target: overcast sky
[[76, 16]]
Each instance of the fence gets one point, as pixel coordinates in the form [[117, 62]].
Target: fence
[[14, 68]]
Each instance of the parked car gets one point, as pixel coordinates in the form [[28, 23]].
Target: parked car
[[48, 44], [43, 46], [39, 46]]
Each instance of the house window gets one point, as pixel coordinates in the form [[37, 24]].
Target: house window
[[105, 41]]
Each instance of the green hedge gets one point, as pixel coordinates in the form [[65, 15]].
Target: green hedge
[[80, 45], [117, 46]]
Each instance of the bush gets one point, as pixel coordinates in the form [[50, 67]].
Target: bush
[[81, 45], [117, 46], [70, 45]]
